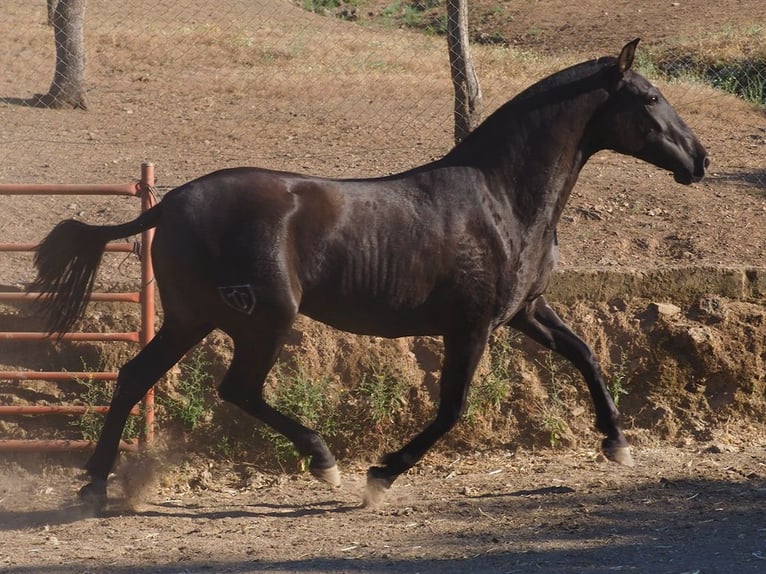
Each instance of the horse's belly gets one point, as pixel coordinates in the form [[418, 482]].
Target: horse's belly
[[368, 317]]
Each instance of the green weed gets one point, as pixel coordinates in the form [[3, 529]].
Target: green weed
[[320, 6], [382, 394], [552, 409], [227, 447], [99, 393], [311, 401], [191, 403], [742, 76], [415, 14], [343, 9], [620, 380], [490, 390]]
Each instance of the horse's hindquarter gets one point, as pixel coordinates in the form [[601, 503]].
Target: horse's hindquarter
[[223, 231]]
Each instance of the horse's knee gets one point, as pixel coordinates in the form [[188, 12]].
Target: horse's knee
[[233, 394], [127, 390], [226, 393]]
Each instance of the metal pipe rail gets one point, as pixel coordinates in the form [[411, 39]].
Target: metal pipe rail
[[129, 297], [58, 409], [132, 337], [145, 297], [32, 445], [111, 247]]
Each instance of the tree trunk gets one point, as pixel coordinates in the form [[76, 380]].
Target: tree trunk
[[464, 79], [67, 89]]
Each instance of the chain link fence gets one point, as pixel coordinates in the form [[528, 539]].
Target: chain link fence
[[194, 86]]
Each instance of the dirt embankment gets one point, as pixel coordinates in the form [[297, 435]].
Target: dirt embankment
[[683, 351], [685, 364]]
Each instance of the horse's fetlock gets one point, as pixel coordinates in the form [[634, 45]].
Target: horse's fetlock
[[318, 448]]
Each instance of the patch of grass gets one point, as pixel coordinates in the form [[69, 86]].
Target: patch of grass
[[620, 379], [320, 6], [98, 393], [744, 79], [227, 447], [191, 402], [491, 389], [312, 401], [381, 395], [426, 15], [552, 409], [343, 9], [733, 61]]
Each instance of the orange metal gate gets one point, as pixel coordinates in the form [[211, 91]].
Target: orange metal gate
[[144, 189]]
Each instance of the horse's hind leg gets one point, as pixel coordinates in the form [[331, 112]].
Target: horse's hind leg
[[255, 352], [542, 324], [135, 378]]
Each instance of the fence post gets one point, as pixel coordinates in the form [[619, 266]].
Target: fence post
[[148, 200]]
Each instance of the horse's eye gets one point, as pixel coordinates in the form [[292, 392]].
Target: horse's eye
[[651, 100]]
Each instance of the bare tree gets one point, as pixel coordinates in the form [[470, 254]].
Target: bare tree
[[67, 89], [464, 79]]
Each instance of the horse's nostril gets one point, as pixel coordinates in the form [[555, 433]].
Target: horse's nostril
[[707, 162]]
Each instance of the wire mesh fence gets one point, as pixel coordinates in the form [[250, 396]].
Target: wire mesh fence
[[196, 85]]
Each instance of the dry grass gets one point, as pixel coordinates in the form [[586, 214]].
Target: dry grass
[[729, 44]]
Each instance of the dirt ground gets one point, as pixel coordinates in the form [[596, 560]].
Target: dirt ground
[[695, 501], [692, 509]]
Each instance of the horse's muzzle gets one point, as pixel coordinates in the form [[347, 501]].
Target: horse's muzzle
[[701, 163]]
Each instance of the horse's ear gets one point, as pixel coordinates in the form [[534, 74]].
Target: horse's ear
[[625, 61]]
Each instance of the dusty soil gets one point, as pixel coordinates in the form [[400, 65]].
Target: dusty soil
[[696, 405], [693, 509]]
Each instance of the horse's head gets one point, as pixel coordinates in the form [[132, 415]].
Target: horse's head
[[637, 120]]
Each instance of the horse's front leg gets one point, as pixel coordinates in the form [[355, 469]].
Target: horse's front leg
[[461, 356], [542, 324]]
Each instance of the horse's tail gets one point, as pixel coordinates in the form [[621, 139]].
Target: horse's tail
[[67, 261]]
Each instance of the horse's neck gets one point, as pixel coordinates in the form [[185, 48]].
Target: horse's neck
[[532, 158]]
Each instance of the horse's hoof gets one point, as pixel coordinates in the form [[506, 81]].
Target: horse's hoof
[[375, 492], [620, 455], [94, 495], [329, 475], [378, 484]]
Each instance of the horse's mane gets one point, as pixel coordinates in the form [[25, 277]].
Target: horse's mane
[[568, 76], [480, 146], [557, 88]]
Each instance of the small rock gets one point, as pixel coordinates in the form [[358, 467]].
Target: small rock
[[713, 307], [718, 448], [666, 309], [699, 334]]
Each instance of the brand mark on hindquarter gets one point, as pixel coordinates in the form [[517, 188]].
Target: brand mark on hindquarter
[[239, 297]]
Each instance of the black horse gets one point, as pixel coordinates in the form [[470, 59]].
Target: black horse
[[455, 248]]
